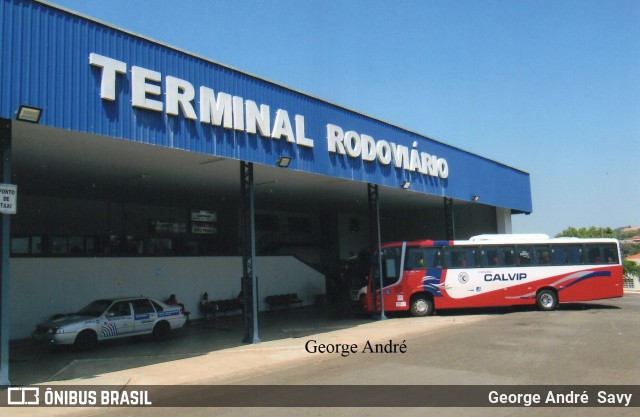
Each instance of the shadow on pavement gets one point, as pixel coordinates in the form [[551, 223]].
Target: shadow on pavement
[[30, 364], [33, 364]]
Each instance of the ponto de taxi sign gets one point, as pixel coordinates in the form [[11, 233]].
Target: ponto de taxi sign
[[8, 198]]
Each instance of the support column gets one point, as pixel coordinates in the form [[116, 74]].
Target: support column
[[5, 240], [376, 245], [503, 217], [449, 219], [249, 279]]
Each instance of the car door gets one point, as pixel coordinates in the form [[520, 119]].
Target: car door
[[118, 320], [144, 315]]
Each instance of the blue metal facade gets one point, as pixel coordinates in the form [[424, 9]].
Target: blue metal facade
[[45, 63]]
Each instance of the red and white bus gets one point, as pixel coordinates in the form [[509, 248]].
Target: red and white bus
[[494, 270]]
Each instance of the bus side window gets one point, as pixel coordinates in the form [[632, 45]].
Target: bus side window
[[491, 257], [507, 256], [415, 258], [474, 256], [544, 258], [574, 255], [433, 257], [559, 255], [593, 254], [436, 259], [525, 255], [452, 257], [462, 257], [541, 255], [610, 253]]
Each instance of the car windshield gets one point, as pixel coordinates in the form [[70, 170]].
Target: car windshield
[[96, 308]]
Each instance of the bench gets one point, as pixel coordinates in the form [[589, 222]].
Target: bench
[[212, 308], [284, 300]]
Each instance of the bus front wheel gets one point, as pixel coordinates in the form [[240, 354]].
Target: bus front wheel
[[421, 306], [547, 300]]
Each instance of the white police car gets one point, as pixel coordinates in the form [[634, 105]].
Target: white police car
[[111, 319]]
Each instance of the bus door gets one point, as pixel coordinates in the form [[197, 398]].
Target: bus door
[[392, 259]]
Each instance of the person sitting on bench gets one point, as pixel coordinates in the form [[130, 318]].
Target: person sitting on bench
[[172, 301]]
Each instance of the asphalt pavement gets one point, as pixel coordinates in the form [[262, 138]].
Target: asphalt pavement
[[212, 353]]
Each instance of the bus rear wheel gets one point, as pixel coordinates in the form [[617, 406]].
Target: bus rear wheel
[[421, 306], [547, 300]]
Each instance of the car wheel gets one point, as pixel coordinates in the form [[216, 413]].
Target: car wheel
[[86, 340], [161, 330], [547, 300], [421, 306]]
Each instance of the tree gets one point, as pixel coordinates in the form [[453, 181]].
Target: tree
[[583, 232], [628, 232], [629, 249], [631, 268]]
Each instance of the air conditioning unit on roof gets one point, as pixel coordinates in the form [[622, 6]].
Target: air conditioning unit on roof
[[510, 238]]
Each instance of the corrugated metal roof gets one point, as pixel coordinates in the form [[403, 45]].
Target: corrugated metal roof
[[45, 63]]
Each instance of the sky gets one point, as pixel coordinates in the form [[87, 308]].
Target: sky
[[550, 87]]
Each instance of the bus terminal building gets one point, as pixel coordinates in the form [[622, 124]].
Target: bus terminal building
[[141, 169]]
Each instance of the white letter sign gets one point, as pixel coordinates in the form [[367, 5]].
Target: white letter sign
[[8, 198]]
